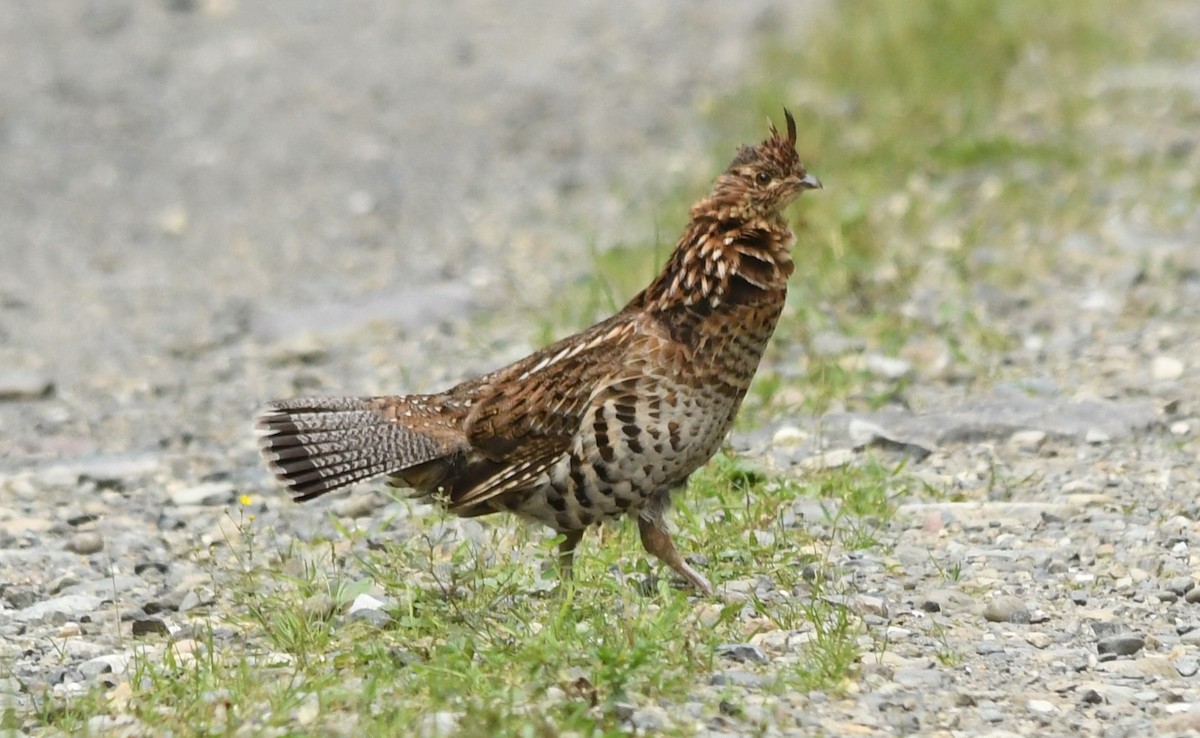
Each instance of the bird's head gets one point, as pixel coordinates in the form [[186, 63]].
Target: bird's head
[[761, 180]]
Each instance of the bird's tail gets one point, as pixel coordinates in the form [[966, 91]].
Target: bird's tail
[[318, 444]]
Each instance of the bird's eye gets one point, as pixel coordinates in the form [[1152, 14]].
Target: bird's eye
[[763, 178]]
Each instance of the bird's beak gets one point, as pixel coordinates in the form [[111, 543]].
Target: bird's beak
[[809, 182]]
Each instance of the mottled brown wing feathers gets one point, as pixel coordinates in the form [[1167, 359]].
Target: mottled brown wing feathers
[[483, 480], [524, 417]]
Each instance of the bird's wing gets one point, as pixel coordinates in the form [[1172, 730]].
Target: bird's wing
[[531, 412]]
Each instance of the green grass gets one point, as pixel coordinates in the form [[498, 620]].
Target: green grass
[[951, 136], [497, 643]]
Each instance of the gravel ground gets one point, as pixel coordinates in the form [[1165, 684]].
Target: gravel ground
[[210, 203]]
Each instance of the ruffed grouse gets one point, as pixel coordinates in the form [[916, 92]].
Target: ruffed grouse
[[603, 423]]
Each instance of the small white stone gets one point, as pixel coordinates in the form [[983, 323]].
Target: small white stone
[[365, 602], [862, 432], [204, 494], [1095, 436], [1041, 706], [69, 629], [1180, 428], [789, 435], [886, 367], [1166, 368], [1027, 441]]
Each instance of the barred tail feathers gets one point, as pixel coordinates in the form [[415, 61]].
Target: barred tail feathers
[[317, 445]]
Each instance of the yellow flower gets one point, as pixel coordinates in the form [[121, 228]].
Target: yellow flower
[[245, 500]]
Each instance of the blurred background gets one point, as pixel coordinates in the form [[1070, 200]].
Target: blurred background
[[183, 183]]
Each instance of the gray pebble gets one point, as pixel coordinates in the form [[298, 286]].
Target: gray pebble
[[19, 384], [60, 609], [87, 542], [1186, 665], [377, 618], [1179, 585], [742, 652], [650, 719], [108, 472], [916, 678], [111, 664], [1121, 645], [59, 584], [870, 605], [210, 493], [1190, 638], [170, 601], [1105, 628], [191, 601], [987, 648], [1056, 567], [95, 667], [19, 598], [82, 650], [735, 678], [991, 715], [1006, 609], [1192, 596]]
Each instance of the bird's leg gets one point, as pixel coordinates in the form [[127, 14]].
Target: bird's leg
[[658, 541], [566, 553]]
